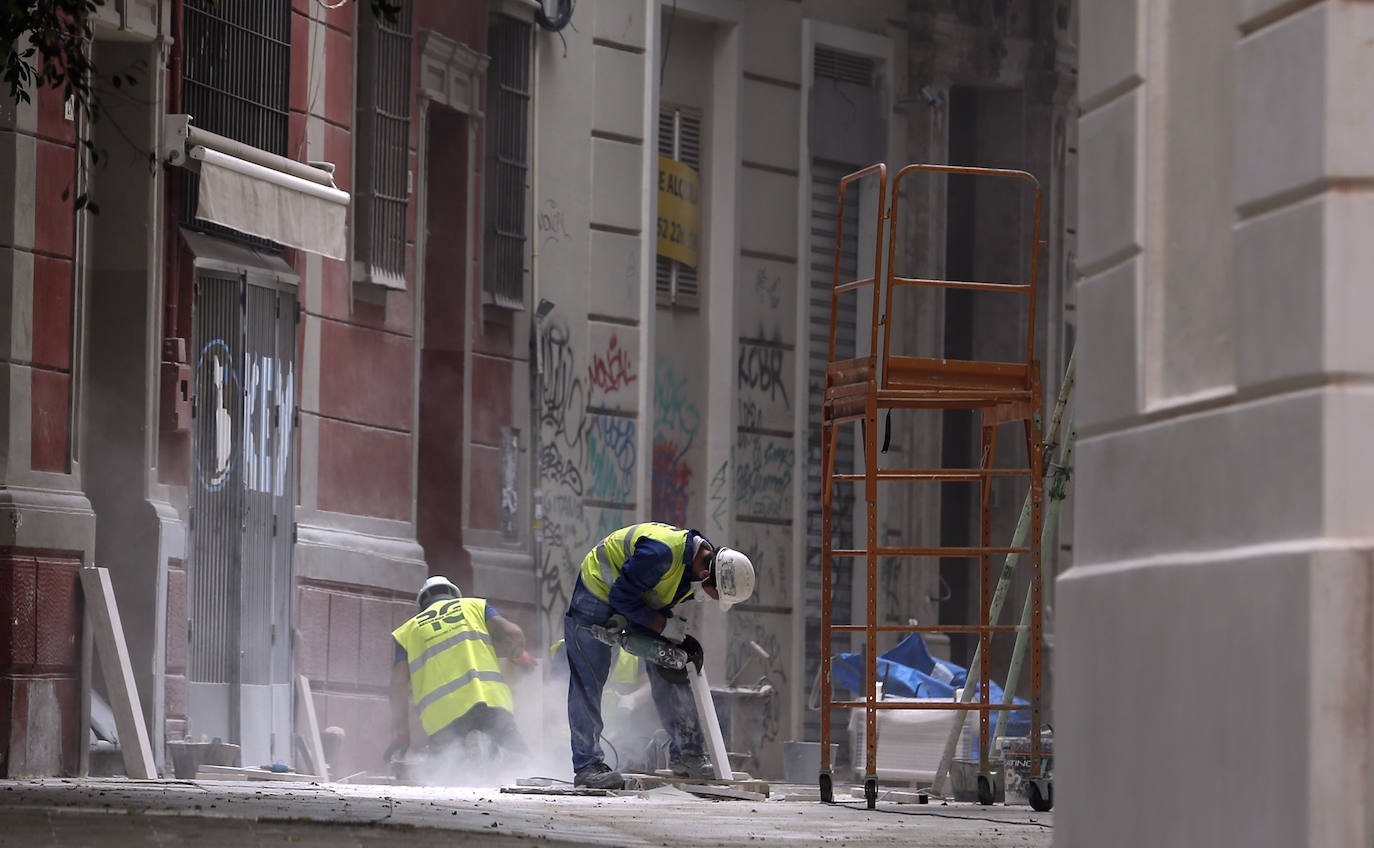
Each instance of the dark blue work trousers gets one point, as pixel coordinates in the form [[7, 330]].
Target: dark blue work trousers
[[589, 664]]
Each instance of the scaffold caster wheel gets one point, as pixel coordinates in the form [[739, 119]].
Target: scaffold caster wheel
[[827, 790], [986, 794], [871, 792], [1041, 794]]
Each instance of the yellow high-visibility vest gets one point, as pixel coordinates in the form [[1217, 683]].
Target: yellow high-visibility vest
[[601, 567], [453, 666]]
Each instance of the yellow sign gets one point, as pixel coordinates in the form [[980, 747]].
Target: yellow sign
[[679, 211]]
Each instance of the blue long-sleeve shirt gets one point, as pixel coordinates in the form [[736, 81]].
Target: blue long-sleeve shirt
[[642, 572]]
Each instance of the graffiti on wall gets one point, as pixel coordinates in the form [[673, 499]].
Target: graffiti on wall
[[584, 456], [748, 668], [553, 226], [763, 476], [720, 497], [676, 421], [269, 401], [612, 370]]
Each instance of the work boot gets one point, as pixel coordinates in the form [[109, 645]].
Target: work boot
[[696, 766], [598, 776]]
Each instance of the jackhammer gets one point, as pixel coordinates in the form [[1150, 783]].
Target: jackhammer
[[665, 654]]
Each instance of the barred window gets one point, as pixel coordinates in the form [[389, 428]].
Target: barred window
[[382, 178], [679, 138], [235, 75], [507, 159]]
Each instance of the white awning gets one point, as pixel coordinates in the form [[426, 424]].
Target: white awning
[[260, 193]]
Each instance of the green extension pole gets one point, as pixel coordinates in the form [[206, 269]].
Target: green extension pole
[[1058, 489], [999, 594]]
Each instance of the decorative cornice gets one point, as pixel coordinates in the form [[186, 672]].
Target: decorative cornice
[[451, 73]]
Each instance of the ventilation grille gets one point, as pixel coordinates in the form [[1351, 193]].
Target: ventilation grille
[[844, 67], [679, 137]]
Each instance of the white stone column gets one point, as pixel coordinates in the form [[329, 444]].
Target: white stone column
[[1215, 632]]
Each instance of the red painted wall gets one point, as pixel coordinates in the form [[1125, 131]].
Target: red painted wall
[[54, 247]]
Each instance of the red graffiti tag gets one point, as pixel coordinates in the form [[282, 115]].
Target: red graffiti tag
[[612, 371]]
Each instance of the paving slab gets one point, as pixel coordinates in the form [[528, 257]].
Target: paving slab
[[117, 811]]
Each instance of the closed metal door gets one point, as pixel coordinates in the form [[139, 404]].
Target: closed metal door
[[242, 499]]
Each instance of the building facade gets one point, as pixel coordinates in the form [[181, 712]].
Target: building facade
[[1222, 535], [272, 397]]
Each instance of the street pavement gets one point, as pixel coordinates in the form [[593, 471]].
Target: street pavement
[[101, 812]]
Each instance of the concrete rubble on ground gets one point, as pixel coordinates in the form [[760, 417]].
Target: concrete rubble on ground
[[74, 811]]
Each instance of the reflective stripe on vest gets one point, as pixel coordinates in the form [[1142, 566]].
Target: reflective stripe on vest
[[452, 664], [601, 567]]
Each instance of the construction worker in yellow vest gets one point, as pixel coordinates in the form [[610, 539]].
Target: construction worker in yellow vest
[[446, 663], [641, 573]]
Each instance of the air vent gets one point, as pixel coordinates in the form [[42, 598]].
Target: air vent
[[844, 67]]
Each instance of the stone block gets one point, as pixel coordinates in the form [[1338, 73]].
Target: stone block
[[770, 116], [616, 182], [55, 221], [1111, 47], [1109, 203], [1281, 286], [613, 287], [1347, 296], [50, 420], [345, 626], [1109, 370], [1349, 120], [1281, 106], [621, 22], [377, 648], [768, 212], [1242, 474], [1112, 650], [766, 300], [772, 39], [176, 620], [769, 548], [1348, 465], [619, 92], [492, 383], [484, 502]]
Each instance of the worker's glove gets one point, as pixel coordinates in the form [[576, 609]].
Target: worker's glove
[[674, 629], [524, 660], [695, 656], [397, 748]]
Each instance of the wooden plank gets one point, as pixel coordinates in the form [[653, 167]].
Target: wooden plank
[[312, 727], [118, 673], [761, 787], [209, 772], [710, 724], [560, 790], [711, 790]]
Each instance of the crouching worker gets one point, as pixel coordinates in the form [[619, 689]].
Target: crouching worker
[[446, 663], [638, 574]]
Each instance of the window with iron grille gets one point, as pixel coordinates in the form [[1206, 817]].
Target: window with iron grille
[[679, 138], [507, 159], [381, 180], [235, 81]]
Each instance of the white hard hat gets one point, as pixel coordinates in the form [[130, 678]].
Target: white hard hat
[[435, 587], [734, 575]]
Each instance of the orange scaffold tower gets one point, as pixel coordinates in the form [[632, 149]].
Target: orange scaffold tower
[[858, 390]]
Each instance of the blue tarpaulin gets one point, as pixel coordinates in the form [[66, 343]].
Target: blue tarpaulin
[[909, 671]]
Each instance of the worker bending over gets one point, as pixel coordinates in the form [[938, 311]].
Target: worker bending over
[[641, 572], [446, 660]]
